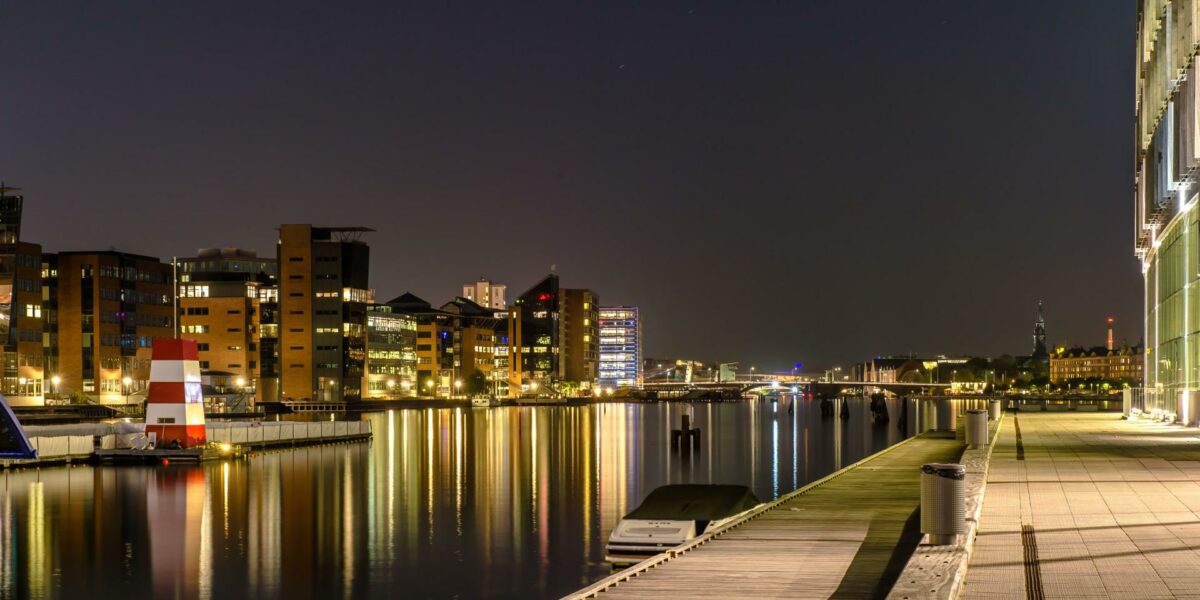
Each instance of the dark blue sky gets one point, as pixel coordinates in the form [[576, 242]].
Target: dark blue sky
[[770, 182]]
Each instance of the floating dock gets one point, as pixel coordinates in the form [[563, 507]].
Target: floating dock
[[108, 443]]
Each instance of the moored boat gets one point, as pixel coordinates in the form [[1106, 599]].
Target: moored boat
[[675, 514]]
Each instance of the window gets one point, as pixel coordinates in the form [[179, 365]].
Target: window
[[202, 347], [194, 329]]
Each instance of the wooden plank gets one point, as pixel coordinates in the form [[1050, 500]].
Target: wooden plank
[[848, 537]]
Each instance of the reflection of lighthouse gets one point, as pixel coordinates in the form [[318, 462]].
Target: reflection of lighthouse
[[175, 516]]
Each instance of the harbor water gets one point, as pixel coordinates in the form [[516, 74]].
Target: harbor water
[[498, 502]]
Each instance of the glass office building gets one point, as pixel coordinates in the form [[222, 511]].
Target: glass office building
[[1165, 224], [620, 347]]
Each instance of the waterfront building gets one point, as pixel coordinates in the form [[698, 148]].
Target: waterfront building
[[557, 332], [620, 347], [536, 333], [102, 311], [1118, 365], [486, 293], [391, 353], [21, 323], [579, 319], [220, 298], [1167, 162], [455, 346], [323, 299]]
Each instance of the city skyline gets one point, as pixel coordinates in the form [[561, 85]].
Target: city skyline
[[176, 139]]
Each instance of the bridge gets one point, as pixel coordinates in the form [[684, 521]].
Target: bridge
[[821, 389]]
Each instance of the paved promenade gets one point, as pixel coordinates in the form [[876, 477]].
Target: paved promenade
[[1085, 505], [849, 537]]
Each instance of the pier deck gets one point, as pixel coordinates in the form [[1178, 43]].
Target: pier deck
[[1089, 506], [848, 537]]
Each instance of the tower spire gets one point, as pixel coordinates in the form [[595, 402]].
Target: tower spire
[[1039, 334]]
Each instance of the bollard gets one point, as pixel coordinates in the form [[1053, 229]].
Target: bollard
[[977, 428], [994, 408], [943, 502], [946, 419]]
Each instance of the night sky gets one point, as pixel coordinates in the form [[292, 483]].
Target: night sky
[[770, 182]]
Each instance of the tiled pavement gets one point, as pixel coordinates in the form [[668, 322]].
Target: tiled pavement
[[1113, 506]]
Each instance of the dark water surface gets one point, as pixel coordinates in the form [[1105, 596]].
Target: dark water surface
[[512, 502]]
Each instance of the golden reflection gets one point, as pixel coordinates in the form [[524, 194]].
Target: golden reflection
[[39, 565]]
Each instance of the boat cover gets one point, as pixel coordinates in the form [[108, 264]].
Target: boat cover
[[13, 442], [688, 502]]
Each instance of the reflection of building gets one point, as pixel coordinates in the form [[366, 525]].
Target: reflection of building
[[620, 347], [323, 298], [220, 292], [1120, 364], [486, 293], [105, 310], [1166, 233], [391, 353]]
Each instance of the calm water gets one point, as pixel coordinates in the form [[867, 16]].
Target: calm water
[[466, 503]]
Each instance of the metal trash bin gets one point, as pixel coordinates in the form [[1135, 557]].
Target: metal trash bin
[[947, 420], [994, 408], [977, 428], [943, 502]]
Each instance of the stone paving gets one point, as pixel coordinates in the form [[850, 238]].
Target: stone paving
[[1087, 505]]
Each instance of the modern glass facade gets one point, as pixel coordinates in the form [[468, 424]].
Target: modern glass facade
[[620, 347], [1165, 229]]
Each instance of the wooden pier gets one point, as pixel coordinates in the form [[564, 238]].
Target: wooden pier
[[848, 535]]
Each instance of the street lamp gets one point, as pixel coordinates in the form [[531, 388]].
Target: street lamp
[[125, 383], [391, 386], [457, 386], [21, 381], [55, 380], [428, 387]]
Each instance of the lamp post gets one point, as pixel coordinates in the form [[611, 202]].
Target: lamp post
[[54, 381], [391, 386], [21, 381], [126, 381], [457, 387], [428, 387]]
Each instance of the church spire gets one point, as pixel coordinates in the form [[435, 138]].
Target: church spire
[[1039, 334]]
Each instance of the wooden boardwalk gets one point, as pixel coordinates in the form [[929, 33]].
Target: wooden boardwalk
[[1089, 506], [849, 537]]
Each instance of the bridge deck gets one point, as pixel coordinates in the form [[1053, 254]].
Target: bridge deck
[[849, 537]]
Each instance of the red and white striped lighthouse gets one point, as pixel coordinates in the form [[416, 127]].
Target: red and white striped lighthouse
[[175, 404]]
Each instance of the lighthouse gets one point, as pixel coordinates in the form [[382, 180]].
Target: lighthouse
[[175, 404]]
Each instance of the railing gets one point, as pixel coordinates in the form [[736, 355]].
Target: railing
[[1148, 401]]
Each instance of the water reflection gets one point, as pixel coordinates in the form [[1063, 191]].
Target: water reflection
[[499, 502]]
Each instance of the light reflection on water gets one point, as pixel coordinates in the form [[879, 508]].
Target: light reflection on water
[[497, 502]]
